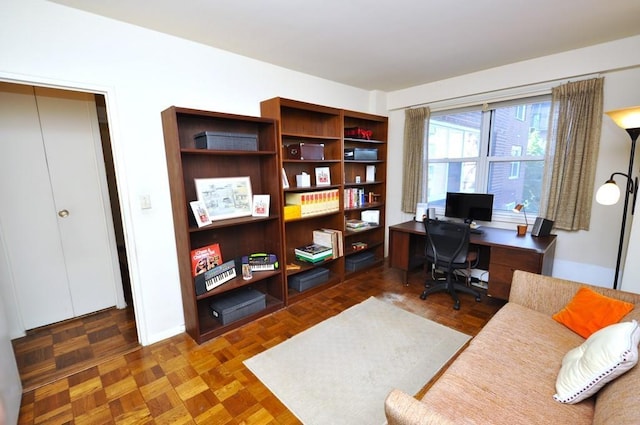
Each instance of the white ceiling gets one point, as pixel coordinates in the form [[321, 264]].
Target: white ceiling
[[383, 45]]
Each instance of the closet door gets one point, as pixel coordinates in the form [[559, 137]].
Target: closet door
[[29, 224], [53, 218]]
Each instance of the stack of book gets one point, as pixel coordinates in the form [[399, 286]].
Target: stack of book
[[356, 225], [313, 253], [330, 237]]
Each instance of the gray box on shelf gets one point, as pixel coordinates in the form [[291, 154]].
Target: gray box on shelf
[[307, 280], [359, 261], [217, 140], [360, 154], [237, 304]]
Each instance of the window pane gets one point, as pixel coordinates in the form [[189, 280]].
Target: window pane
[[450, 177], [455, 135], [519, 126], [509, 189]]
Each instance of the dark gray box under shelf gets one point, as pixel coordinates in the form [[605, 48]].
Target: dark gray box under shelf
[[307, 280], [217, 140], [359, 261], [237, 304]]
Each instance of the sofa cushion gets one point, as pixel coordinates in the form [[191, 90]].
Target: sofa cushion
[[589, 311], [507, 374], [607, 354]]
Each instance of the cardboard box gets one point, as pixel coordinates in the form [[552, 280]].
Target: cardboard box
[[235, 305], [216, 140], [305, 151]]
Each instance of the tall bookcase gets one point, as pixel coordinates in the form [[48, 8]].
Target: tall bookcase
[[237, 236], [373, 185], [301, 122]]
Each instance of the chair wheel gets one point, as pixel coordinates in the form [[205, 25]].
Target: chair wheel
[[423, 296], [478, 299], [456, 306]]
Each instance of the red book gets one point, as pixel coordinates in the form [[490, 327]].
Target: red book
[[205, 258]]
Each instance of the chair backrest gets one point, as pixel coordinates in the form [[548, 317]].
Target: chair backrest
[[447, 242]]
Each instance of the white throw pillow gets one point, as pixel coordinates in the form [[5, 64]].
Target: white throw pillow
[[605, 355]]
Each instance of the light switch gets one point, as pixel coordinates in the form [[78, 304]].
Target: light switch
[[145, 202]]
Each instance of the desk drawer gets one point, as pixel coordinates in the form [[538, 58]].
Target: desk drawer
[[518, 260]]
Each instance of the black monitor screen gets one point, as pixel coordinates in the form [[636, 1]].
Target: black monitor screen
[[469, 206]]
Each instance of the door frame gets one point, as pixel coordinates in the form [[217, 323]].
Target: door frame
[[109, 95]]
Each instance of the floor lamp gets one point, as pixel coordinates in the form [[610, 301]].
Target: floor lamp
[[609, 193]]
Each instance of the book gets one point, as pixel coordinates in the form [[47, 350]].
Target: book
[[356, 224], [314, 261], [330, 237], [313, 251], [205, 258]]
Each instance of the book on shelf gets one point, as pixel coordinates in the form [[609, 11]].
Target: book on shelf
[[205, 258], [316, 202], [330, 237], [313, 252], [355, 224]]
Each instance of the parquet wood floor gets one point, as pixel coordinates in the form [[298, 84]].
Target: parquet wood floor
[[52, 352], [176, 381]]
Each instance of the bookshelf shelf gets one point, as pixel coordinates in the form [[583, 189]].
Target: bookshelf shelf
[[236, 237]]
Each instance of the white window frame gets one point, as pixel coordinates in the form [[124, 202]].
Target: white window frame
[[483, 161]]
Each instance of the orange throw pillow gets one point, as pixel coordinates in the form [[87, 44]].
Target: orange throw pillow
[[589, 311]]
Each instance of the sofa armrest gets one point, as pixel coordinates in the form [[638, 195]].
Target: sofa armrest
[[403, 409]]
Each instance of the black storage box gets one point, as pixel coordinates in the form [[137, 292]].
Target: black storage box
[[359, 261], [237, 304], [360, 154], [306, 280], [216, 140], [308, 151]]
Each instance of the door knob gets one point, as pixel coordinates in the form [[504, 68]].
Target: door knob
[[63, 213]]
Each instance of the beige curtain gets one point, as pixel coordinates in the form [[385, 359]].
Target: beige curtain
[[415, 121], [573, 152]]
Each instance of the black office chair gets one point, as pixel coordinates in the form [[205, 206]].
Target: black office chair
[[447, 248]]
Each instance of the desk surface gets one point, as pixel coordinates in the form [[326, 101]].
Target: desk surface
[[491, 236]]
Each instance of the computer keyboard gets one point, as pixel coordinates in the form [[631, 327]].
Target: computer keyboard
[[476, 231]]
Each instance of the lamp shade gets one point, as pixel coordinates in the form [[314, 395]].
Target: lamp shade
[[626, 118], [608, 193]]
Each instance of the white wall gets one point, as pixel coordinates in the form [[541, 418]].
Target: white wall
[[142, 73], [586, 256]]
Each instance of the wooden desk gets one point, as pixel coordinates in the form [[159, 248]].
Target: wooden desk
[[502, 250]]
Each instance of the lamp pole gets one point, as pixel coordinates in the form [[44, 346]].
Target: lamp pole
[[631, 188]]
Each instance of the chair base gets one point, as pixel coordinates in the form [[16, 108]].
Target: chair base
[[452, 288]]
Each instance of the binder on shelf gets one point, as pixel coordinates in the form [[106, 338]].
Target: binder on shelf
[[315, 203]]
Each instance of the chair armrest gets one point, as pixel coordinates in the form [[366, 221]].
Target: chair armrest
[[403, 409]]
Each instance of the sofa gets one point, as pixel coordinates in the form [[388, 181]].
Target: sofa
[[507, 373]]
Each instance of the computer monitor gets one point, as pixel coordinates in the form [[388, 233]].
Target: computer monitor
[[469, 206]]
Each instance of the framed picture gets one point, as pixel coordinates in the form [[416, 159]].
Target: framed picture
[[285, 180], [261, 205], [226, 197], [323, 176], [200, 213]]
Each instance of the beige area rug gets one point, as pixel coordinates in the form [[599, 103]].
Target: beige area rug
[[341, 370]]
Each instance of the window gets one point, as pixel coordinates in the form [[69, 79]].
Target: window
[[499, 149]]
